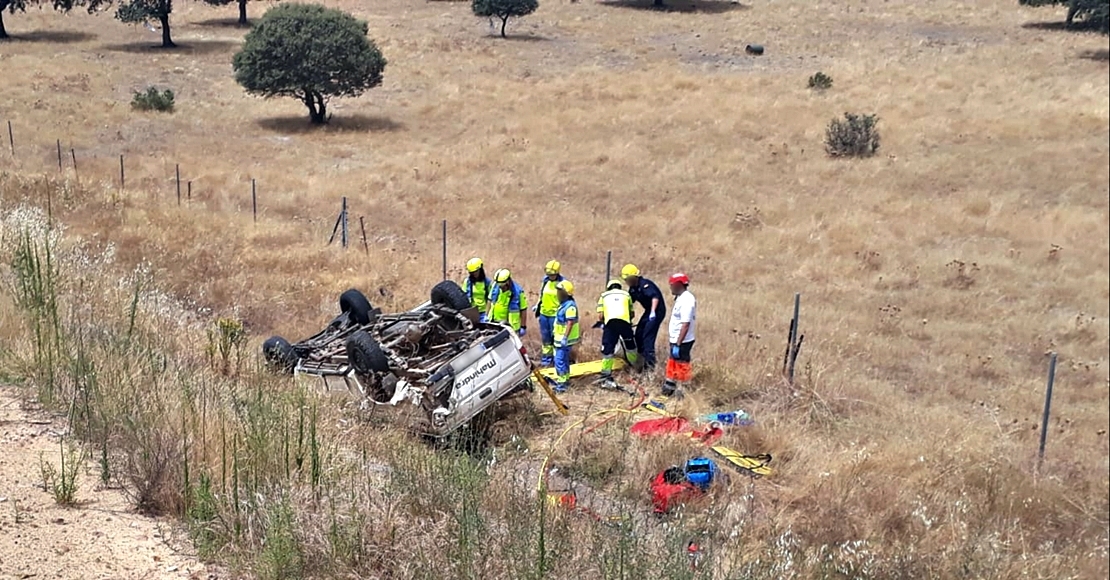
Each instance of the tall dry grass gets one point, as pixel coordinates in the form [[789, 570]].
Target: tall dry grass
[[934, 278]]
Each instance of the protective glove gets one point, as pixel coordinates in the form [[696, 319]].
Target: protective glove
[[482, 317], [599, 324], [651, 317], [674, 351], [521, 331], [563, 343]]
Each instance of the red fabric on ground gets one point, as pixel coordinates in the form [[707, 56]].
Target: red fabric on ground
[[708, 436], [661, 426], [664, 495]]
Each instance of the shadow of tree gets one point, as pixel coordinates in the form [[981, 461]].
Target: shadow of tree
[[701, 6], [1060, 25], [223, 23], [191, 47], [526, 37], [56, 36], [1102, 55], [339, 124]]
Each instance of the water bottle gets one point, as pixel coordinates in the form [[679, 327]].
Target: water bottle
[[738, 417]]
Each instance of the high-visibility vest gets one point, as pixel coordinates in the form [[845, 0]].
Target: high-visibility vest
[[567, 313], [549, 296], [508, 305], [478, 292], [615, 305]]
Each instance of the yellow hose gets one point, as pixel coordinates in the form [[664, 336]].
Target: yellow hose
[[554, 446]]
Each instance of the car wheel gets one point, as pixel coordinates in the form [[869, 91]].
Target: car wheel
[[279, 353], [357, 307], [365, 354], [450, 295]]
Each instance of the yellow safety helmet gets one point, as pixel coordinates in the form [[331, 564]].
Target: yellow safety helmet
[[629, 271], [566, 286], [552, 267], [474, 264], [501, 276], [613, 284]]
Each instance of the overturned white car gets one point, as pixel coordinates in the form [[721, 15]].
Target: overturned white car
[[436, 356]]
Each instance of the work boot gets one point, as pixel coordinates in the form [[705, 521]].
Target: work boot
[[560, 388]]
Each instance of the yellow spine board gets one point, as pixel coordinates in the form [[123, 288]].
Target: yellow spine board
[[583, 369]]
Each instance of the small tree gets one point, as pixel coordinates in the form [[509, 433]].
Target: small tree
[[854, 136], [504, 9], [242, 8], [311, 53], [143, 11], [60, 5], [820, 81], [153, 100]]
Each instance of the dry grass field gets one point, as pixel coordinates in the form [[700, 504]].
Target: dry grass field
[[934, 277]]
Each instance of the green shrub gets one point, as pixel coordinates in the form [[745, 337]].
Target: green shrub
[[820, 81], [151, 99], [62, 484], [853, 136]]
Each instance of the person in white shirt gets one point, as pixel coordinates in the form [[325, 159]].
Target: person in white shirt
[[681, 334]]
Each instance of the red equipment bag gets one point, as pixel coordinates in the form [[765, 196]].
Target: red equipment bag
[[669, 487]]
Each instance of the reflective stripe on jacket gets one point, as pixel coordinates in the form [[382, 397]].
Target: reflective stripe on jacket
[[567, 313], [549, 296], [478, 292], [508, 305], [615, 305]]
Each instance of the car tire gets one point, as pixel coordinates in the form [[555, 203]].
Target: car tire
[[279, 353], [450, 295], [357, 307], [365, 354]]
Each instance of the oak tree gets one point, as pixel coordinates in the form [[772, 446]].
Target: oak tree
[[143, 11], [310, 53], [504, 9], [12, 6]]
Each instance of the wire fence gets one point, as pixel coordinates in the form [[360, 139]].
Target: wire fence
[[341, 230]]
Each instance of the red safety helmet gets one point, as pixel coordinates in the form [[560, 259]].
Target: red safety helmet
[[680, 278]]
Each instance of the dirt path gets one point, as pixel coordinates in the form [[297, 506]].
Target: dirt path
[[100, 538]]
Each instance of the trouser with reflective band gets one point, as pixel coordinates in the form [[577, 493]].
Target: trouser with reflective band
[[615, 331], [547, 340], [678, 369], [563, 360]]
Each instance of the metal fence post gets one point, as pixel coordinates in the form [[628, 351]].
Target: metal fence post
[[608, 267], [444, 249], [794, 336], [1047, 407], [343, 216]]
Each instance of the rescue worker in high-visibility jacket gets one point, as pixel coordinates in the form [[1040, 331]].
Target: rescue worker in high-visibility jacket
[[614, 315], [645, 293], [477, 286], [546, 309], [507, 302], [566, 333]]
